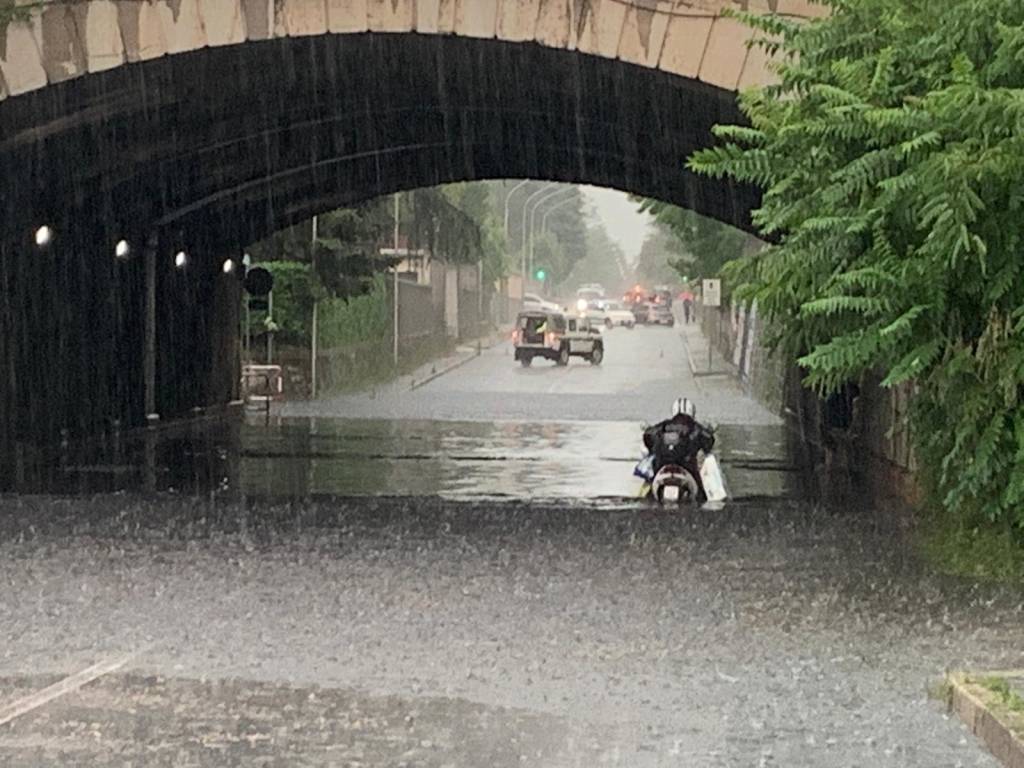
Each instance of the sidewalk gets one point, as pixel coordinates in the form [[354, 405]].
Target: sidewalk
[[463, 354], [719, 390], [697, 346], [426, 373]]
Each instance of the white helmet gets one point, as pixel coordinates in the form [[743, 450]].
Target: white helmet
[[683, 405]]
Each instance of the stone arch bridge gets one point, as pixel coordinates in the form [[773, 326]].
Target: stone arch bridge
[[207, 124]]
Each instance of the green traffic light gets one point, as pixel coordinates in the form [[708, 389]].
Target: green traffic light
[[541, 274]]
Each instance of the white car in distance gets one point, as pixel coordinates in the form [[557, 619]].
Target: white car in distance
[[593, 311], [616, 314], [533, 301]]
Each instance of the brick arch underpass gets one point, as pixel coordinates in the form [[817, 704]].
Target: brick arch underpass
[[206, 124]]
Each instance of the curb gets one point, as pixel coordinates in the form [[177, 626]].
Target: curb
[[693, 366], [491, 342], [457, 364], [967, 700]]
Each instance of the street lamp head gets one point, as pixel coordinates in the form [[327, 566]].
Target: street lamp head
[[44, 236], [181, 260], [229, 266], [122, 249]]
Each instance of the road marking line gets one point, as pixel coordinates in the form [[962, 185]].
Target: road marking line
[[61, 688]]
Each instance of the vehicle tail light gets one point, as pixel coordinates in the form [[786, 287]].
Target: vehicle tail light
[[551, 340], [515, 336]]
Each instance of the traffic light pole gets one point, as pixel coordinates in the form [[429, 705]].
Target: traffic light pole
[[522, 239], [533, 215], [270, 332]]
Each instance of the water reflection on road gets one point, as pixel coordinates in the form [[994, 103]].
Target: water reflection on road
[[304, 457], [585, 460]]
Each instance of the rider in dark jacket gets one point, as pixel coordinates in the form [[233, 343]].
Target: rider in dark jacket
[[679, 439]]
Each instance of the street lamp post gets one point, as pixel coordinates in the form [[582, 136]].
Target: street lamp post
[[533, 215], [522, 245], [549, 211], [544, 221], [508, 201]]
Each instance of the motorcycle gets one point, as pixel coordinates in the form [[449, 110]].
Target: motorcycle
[[675, 482]]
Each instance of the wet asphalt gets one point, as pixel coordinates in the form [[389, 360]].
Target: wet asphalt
[[490, 610]]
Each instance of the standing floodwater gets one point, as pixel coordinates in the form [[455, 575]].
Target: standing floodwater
[[435, 591]]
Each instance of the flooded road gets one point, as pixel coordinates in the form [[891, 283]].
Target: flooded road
[[487, 430], [464, 460], [344, 586]]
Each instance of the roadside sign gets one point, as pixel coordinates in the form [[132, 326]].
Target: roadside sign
[[712, 292], [262, 383]]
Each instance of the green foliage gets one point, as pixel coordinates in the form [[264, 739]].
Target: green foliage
[[604, 263], [293, 303], [1000, 686], [11, 11], [702, 246], [891, 156], [434, 222], [659, 252], [562, 218], [346, 239], [479, 202], [358, 319]]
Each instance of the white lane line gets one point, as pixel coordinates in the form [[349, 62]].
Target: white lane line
[[62, 688]]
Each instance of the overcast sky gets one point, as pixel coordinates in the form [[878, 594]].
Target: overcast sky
[[621, 219]]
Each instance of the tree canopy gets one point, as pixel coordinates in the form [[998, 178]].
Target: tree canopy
[[892, 154], [604, 263], [697, 247]]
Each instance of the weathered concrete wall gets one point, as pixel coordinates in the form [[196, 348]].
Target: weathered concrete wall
[[71, 38], [866, 430], [72, 343]]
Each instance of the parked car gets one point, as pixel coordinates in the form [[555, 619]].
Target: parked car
[[663, 295], [640, 312], [535, 301], [618, 315], [660, 313]]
